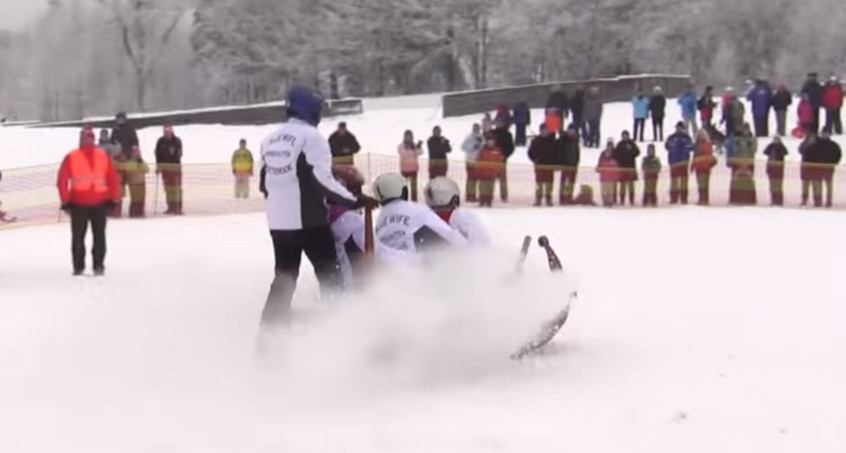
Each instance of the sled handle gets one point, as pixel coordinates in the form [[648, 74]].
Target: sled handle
[[369, 246]]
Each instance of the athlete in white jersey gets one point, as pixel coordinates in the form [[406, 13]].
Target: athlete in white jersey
[[444, 197], [406, 226], [348, 227], [296, 179]]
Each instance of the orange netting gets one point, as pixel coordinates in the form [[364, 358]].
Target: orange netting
[[30, 193]]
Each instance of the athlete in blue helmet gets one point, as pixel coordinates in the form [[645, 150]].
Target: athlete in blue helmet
[[297, 181]]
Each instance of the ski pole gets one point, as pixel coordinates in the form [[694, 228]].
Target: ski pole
[[156, 195]]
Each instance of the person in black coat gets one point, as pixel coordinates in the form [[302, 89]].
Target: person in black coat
[[125, 135], [505, 142], [439, 147], [577, 108], [814, 90], [829, 154], [658, 107], [522, 119], [169, 165], [344, 146], [782, 100], [776, 152], [569, 157], [542, 153], [626, 153]]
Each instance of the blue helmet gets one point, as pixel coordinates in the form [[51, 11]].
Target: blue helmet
[[304, 104]]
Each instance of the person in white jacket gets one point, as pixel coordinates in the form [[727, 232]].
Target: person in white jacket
[[471, 146], [349, 229], [444, 197], [297, 181], [408, 226]]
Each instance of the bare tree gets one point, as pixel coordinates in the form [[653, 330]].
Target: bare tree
[[145, 28]]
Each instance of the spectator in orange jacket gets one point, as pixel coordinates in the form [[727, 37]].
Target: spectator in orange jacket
[[88, 188], [490, 165], [703, 162]]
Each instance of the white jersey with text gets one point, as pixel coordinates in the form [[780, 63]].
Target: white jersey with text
[[403, 225], [468, 225], [297, 175], [349, 231]]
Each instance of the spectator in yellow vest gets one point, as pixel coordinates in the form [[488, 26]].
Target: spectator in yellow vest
[[242, 168]]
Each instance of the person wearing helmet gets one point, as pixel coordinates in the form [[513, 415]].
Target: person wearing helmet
[[407, 226], [444, 197], [296, 179], [349, 229]]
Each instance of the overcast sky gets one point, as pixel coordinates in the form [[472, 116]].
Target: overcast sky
[[16, 13]]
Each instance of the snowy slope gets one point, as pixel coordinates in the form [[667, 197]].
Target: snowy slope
[[688, 337], [379, 131]]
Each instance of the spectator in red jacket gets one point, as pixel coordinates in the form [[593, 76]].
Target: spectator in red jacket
[[832, 102], [805, 110], [608, 170], [88, 188]]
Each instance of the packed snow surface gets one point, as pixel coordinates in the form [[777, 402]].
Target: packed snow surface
[[696, 330]]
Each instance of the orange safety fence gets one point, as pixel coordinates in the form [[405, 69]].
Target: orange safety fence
[[30, 194]]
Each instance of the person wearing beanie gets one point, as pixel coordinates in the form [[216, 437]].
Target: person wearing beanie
[[88, 188], [782, 100], [490, 164], [608, 170], [169, 165], [832, 102], [409, 160]]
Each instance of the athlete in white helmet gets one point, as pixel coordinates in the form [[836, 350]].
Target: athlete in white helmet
[[444, 197], [349, 228], [403, 225]]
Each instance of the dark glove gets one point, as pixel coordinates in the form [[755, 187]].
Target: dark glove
[[364, 201], [67, 207], [109, 205]]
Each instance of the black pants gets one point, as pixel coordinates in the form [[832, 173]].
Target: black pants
[[762, 126], [833, 121], [639, 126], [319, 246], [520, 137], [594, 134], [657, 128], [81, 216]]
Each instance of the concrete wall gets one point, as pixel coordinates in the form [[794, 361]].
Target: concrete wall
[[616, 89], [254, 115]]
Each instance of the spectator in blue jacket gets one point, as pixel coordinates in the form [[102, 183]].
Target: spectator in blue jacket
[[679, 148], [522, 119], [761, 97], [688, 103], [640, 107]]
